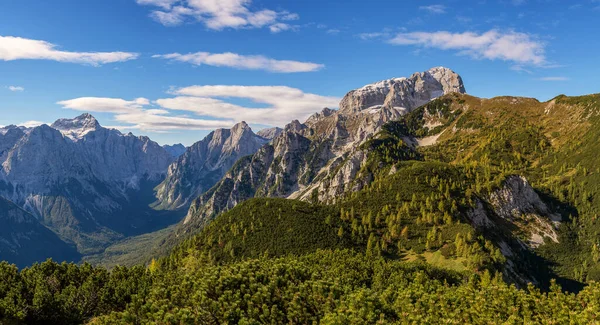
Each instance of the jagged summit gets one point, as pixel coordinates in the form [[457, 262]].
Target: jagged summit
[[294, 126], [403, 94], [77, 127], [5, 129], [175, 150], [83, 121], [204, 163], [269, 133]]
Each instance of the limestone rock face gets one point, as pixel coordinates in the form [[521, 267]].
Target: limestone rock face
[[403, 94], [518, 203], [516, 209], [204, 163], [321, 157]]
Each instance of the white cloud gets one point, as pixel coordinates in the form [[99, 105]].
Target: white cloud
[[16, 88], [165, 4], [247, 62], [368, 36], [31, 124], [105, 105], [17, 48], [333, 31], [283, 104], [209, 107], [145, 120], [493, 45], [218, 14], [434, 9], [520, 68], [138, 114], [553, 79], [280, 27]]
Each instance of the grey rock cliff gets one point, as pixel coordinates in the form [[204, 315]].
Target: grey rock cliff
[[204, 163]]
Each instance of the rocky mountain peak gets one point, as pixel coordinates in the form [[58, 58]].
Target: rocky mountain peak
[[269, 133], [83, 121], [295, 126], [402, 94], [77, 127], [5, 129], [240, 127], [326, 112], [175, 150], [204, 163]]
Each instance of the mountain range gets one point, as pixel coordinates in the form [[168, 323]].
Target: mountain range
[[86, 183], [417, 149], [321, 157]]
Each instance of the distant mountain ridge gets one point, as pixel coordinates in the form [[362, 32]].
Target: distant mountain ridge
[[78, 178], [175, 150]]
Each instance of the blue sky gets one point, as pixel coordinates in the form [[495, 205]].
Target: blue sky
[[175, 69]]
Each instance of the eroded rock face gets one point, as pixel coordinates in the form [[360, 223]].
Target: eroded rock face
[[322, 157], [204, 163], [518, 203], [516, 209]]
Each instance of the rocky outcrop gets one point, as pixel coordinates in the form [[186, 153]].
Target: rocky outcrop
[[204, 163], [518, 203], [518, 220]]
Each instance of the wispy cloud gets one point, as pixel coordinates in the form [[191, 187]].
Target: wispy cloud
[[139, 114], [434, 9], [553, 79], [105, 105], [246, 62], [17, 48], [511, 46], [375, 35], [32, 124], [209, 106], [283, 104], [15, 88], [219, 14], [520, 68]]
